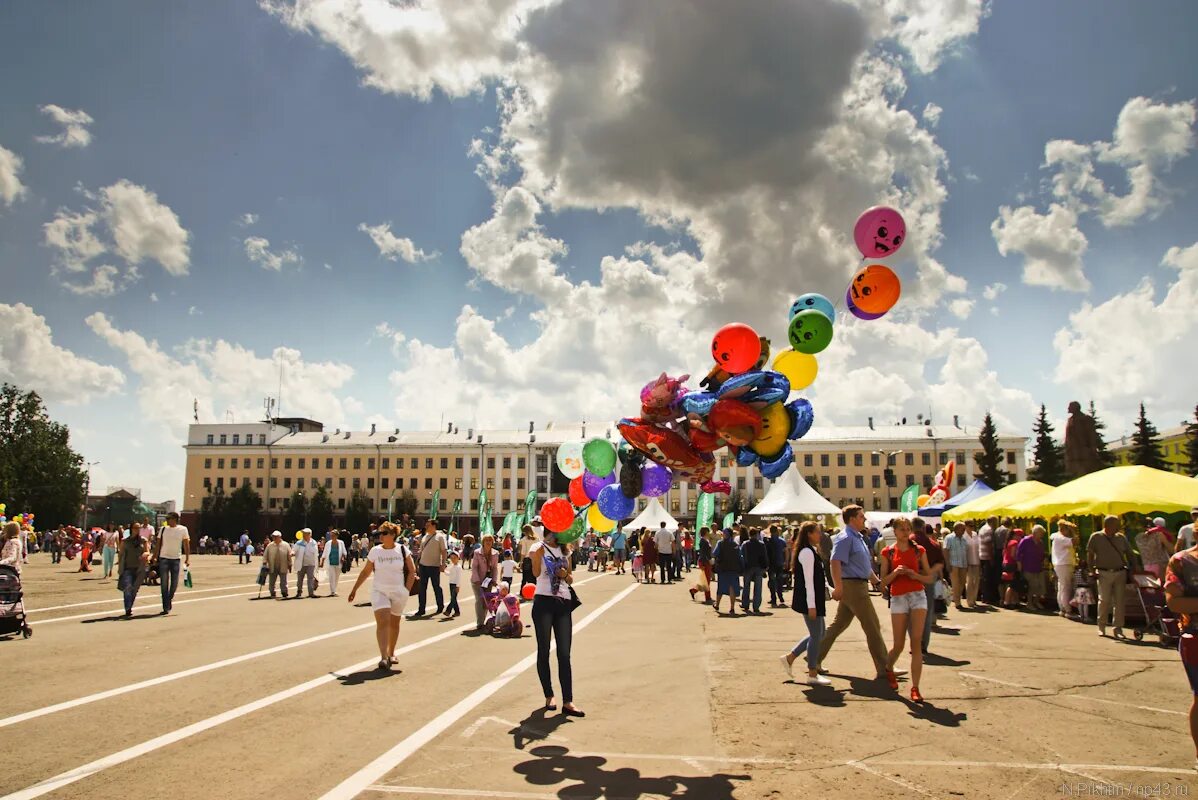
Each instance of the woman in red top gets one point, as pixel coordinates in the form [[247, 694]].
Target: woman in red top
[[648, 555], [905, 572]]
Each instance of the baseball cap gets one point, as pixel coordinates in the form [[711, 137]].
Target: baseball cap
[[1159, 522], [276, 533], [305, 530]]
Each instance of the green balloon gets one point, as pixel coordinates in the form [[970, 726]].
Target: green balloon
[[810, 332], [599, 457], [574, 531]]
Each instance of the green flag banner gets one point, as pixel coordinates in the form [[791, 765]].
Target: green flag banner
[[488, 522], [530, 507], [482, 509], [705, 510], [511, 523], [436, 505], [457, 508], [729, 518], [909, 502]]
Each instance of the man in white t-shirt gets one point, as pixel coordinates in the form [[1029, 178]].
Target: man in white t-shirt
[[306, 557], [174, 543], [665, 552], [1185, 534]]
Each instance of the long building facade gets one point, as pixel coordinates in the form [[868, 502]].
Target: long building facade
[[280, 457]]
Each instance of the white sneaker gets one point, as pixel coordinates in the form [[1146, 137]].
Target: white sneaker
[[819, 680], [790, 673]]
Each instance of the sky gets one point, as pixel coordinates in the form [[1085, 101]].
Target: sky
[[515, 210]]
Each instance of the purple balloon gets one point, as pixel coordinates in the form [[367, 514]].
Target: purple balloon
[[655, 480], [593, 484], [856, 312]]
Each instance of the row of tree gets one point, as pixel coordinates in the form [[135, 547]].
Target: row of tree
[[227, 515], [1048, 454]]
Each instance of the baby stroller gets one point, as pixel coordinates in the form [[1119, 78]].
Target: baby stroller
[[503, 615], [1158, 617], [12, 606]]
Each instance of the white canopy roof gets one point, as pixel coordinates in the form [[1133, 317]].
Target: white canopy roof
[[652, 517], [791, 494]]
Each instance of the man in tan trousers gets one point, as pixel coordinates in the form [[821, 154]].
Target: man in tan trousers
[[852, 575], [1107, 554]]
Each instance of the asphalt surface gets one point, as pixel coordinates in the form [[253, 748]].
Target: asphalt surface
[[232, 696]]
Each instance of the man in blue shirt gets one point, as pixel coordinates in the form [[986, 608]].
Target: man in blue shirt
[[852, 573], [619, 549]]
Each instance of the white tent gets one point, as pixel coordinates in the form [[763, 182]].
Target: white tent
[[791, 494], [652, 517]]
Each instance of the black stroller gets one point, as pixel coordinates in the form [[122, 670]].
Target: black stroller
[[12, 606]]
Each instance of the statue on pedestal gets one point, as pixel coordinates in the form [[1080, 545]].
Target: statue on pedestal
[[1081, 443]]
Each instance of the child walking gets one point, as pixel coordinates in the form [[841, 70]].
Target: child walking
[[454, 573]]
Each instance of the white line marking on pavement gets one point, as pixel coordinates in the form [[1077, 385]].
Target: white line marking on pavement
[[649, 756], [996, 680], [129, 753], [1128, 705], [174, 676], [119, 599], [372, 772], [1022, 765], [135, 608], [911, 787], [462, 792]]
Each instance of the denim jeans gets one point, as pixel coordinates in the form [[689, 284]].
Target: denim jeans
[[815, 635], [168, 580], [753, 576], [776, 595], [453, 607], [665, 563], [132, 583], [551, 618], [430, 575]]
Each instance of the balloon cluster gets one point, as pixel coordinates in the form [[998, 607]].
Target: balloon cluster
[[595, 497], [941, 487], [24, 520]]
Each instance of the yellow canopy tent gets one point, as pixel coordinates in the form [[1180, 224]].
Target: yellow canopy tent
[[1115, 490], [999, 503]]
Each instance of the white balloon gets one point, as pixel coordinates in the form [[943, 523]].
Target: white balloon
[[569, 459]]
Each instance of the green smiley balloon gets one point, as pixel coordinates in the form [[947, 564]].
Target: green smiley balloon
[[810, 332]]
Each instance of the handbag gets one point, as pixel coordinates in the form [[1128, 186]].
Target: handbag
[[574, 601]]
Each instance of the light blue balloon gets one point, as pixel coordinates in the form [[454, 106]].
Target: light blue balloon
[[813, 302]]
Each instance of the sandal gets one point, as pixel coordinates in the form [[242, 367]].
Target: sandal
[[573, 712], [916, 697], [892, 679]]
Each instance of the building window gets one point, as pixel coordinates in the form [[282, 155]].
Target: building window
[[674, 505], [343, 463], [490, 483], [458, 462], [328, 463], [287, 483], [824, 460], [691, 505], [874, 459], [262, 438], [507, 462], [341, 503], [328, 483], [357, 483], [457, 483], [386, 463], [542, 462], [910, 478], [245, 463], [357, 463], [877, 504], [428, 483], [207, 482], [274, 483], [808, 459], [507, 483], [370, 483], [757, 483], [411, 483], [258, 483], [859, 481], [428, 463], [222, 439], [1010, 456], [842, 482], [370, 463], [286, 463], [876, 482], [520, 483], [341, 483], [302, 463], [299, 483], [740, 484], [859, 460], [960, 481], [261, 463], [491, 462], [445, 483], [909, 459], [210, 438], [840, 460], [207, 463], [474, 463], [274, 502], [824, 482], [445, 463], [474, 484], [474, 504], [943, 459], [675, 486], [237, 438], [960, 458], [220, 463], [370, 503], [520, 462], [385, 483], [927, 480], [925, 459], [543, 484], [444, 504]]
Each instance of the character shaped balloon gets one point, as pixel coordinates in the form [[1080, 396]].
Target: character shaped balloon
[[660, 397], [879, 232], [813, 302], [875, 289], [736, 348]]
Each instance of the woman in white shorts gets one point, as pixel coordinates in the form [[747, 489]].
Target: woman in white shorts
[[905, 573], [394, 575]]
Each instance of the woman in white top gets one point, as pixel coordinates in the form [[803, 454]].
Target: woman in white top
[[1064, 562], [394, 575], [334, 556], [552, 608]]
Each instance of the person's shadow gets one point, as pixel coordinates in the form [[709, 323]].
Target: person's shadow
[[937, 660], [537, 726], [553, 764], [363, 676], [944, 717], [120, 618]]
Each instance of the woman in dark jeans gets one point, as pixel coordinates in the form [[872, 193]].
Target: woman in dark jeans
[[552, 608]]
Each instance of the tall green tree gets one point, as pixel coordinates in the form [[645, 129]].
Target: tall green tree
[[1146, 443], [1105, 456], [242, 509], [406, 504], [1048, 455], [1192, 444], [320, 510], [990, 460], [213, 520], [296, 516], [39, 472], [357, 513]]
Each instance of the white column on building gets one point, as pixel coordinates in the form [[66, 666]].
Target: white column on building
[[683, 497], [511, 498], [465, 494]]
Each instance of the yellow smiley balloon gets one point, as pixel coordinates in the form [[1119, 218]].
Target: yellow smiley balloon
[[799, 368], [775, 425]]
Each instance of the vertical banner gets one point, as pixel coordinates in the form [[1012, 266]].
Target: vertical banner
[[705, 510], [457, 509], [511, 523], [436, 505], [530, 507], [909, 502], [484, 513], [729, 519]]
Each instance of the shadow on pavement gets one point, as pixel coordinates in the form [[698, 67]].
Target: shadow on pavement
[[937, 660], [537, 726], [824, 695], [868, 687], [120, 618], [361, 677], [553, 765], [944, 717]]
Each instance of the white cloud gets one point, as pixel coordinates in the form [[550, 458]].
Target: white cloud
[[153, 297], [929, 29], [961, 308], [931, 114], [247, 219], [11, 188], [511, 251], [1129, 348], [30, 359], [1051, 244], [257, 249], [74, 124], [992, 291], [392, 247], [387, 333], [193, 311], [130, 222], [220, 376]]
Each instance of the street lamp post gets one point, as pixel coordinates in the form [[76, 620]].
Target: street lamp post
[[890, 454], [87, 489]]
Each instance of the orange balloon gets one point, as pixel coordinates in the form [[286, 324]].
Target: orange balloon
[[875, 289]]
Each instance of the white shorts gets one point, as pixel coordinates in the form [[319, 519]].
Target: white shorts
[[906, 603], [395, 601]]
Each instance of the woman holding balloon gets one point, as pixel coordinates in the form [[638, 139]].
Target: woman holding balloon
[[552, 619]]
